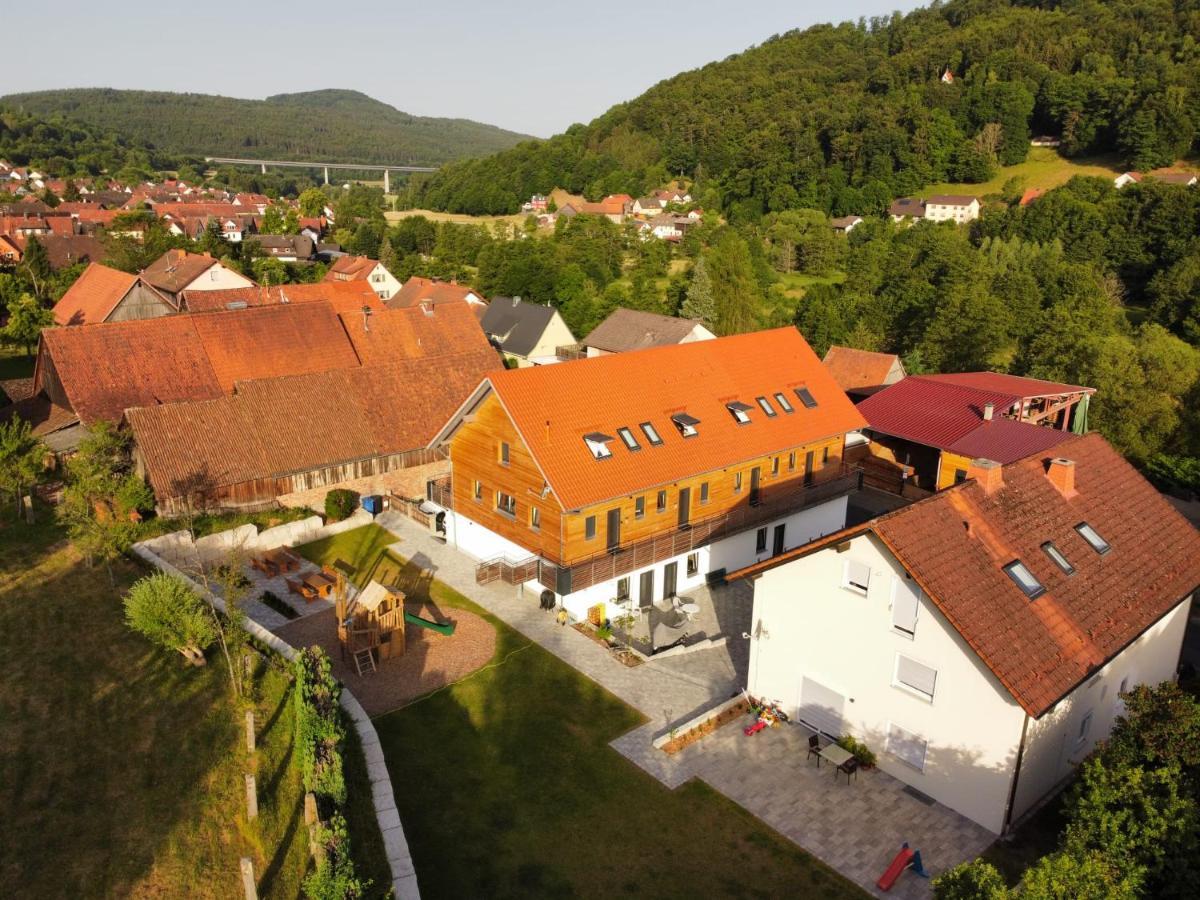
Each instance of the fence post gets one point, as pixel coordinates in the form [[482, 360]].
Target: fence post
[[251, 798], [250, 740], [248, 884]]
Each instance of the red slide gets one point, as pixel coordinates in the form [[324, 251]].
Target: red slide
[[899, 864]]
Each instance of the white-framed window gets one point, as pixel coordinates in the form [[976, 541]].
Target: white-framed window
[[857, 576], [906, 601], [506, 503], [639, 507], [907, 746], [916, 676]]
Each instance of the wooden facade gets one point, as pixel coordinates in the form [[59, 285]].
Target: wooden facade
[[142, 302], [491, 465]]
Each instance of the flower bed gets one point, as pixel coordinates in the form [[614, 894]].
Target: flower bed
[[680, 740], [624, 655]]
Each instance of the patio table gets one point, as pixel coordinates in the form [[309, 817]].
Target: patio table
[[834, 754], [282, 559], [320, 583]]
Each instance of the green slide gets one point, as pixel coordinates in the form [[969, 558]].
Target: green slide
[[447, 629]]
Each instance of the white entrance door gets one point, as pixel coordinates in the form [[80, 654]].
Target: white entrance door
[[821, 708]]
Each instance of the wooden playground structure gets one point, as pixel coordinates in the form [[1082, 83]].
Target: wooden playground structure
[[370, 626]]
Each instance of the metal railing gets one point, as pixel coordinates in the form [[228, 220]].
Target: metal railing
[[503, 569]]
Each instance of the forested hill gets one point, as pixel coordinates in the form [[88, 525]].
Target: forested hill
[[843, 118], [330, 125]]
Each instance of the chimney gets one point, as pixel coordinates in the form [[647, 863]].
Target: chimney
[[988, 474], [989, 410], [366, 311], [1061, 473]]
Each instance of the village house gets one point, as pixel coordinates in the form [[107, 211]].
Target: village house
[[1127, 178], [906, 208], [359, 268], [980, 640], [177, 271], [924, 430], [102, 294], [955, 208], [1183, 179], [647, 206], [634, 477], [528, 333], [861, 373], [632, 329], [845, 224], [285, 247], [418, 290]]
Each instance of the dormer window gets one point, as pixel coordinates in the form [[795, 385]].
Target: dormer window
[[766, 407], [628, 439], [598, 444], [1024, 579], [783, 403], [651, 434], [741, 412], [1092, 536], [686, 424], [1057, 557], [806, 397]]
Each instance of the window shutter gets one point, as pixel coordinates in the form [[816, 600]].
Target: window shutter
[[858, 574], [917, 676], [907, 747], [905, 604]]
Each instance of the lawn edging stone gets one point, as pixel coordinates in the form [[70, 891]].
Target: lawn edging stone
[[400, 863]]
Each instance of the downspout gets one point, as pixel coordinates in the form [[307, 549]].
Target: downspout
[[1012, 793]]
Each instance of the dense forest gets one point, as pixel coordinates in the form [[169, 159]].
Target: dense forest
[[329, 125], [844, 118]]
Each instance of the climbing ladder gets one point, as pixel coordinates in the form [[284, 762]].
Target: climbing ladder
[[364, 661]]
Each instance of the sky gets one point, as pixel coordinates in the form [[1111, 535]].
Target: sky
[[527, 65]]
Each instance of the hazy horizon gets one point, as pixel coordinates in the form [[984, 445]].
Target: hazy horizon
[[525, 68]]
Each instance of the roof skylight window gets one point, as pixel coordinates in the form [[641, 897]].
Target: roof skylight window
[[598, 444], [1024, 579], [806, 397], [766, 407], [741, 412], [783, 403], [628, 439], [1057, 556], [651, 434], [1092, 536], [686, 424]]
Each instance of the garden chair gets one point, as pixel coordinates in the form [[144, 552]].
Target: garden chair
[[850, 766], [814, 748]]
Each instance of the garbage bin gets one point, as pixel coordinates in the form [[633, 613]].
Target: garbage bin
[[373, 504]]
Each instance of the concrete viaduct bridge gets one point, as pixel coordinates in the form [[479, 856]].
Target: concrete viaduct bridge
[[357, 167]]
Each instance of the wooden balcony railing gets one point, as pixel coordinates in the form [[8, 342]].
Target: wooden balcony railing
[[437, 490], [774, 502]]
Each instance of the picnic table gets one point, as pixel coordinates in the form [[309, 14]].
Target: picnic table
[[282, 559], [321, 583]]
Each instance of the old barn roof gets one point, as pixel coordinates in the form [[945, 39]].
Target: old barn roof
[[632, 329], [856, 369], [93, 296], [176, 269], [343, 296]]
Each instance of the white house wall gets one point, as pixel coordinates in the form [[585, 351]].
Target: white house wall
[[1055, 743], [807, 624], [219, 278]]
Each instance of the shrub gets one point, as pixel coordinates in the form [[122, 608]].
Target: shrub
[[604, 632], [168, 612], [978, 880], [339, 503], [863, 753]]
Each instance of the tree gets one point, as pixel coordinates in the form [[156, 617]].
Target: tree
[[977, 880], [700, 303], [26, 319], [312, 203], [738, 298], [272, 220], [36, 264], [22, 458], [1066, 876], [165, 609], [269, 271]]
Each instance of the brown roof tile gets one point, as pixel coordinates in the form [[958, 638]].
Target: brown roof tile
[[855, 369], [631, 329], [93, 296]]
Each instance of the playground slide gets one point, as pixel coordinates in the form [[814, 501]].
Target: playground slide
[[899, 864], [447, 629]]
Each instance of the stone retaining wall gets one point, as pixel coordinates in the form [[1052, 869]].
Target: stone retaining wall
[[404, 875]]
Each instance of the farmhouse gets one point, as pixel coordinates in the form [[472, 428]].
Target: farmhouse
[[177, 271], [980, 640], [633, 477], [359, 268], [952, 208]]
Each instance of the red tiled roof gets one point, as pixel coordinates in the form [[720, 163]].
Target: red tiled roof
[[446, 330], [928, 413], [93, 296], [343, 296], [553, 407], [1006, 440], [176, 269], [417, 289], [853, 368], [350, 268], [1041, 649], [278, 426]]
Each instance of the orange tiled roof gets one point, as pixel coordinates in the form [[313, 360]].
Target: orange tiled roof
[[956, 542], [853, 368], [350, 268], [417, 289], [343, 296], [553, 407], [176, 269], [445, 330], [93, 296]]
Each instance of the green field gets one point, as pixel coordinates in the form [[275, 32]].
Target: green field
[[1043, 169], [507, 788], [15, 363]]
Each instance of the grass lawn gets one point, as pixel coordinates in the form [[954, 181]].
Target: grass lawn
[[123, 766], [360, 548], [1043, 168], [795, 284], [394, 216], [507, 788], [14, 363]]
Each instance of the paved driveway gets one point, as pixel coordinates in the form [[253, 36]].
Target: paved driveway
[[856, 829]]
